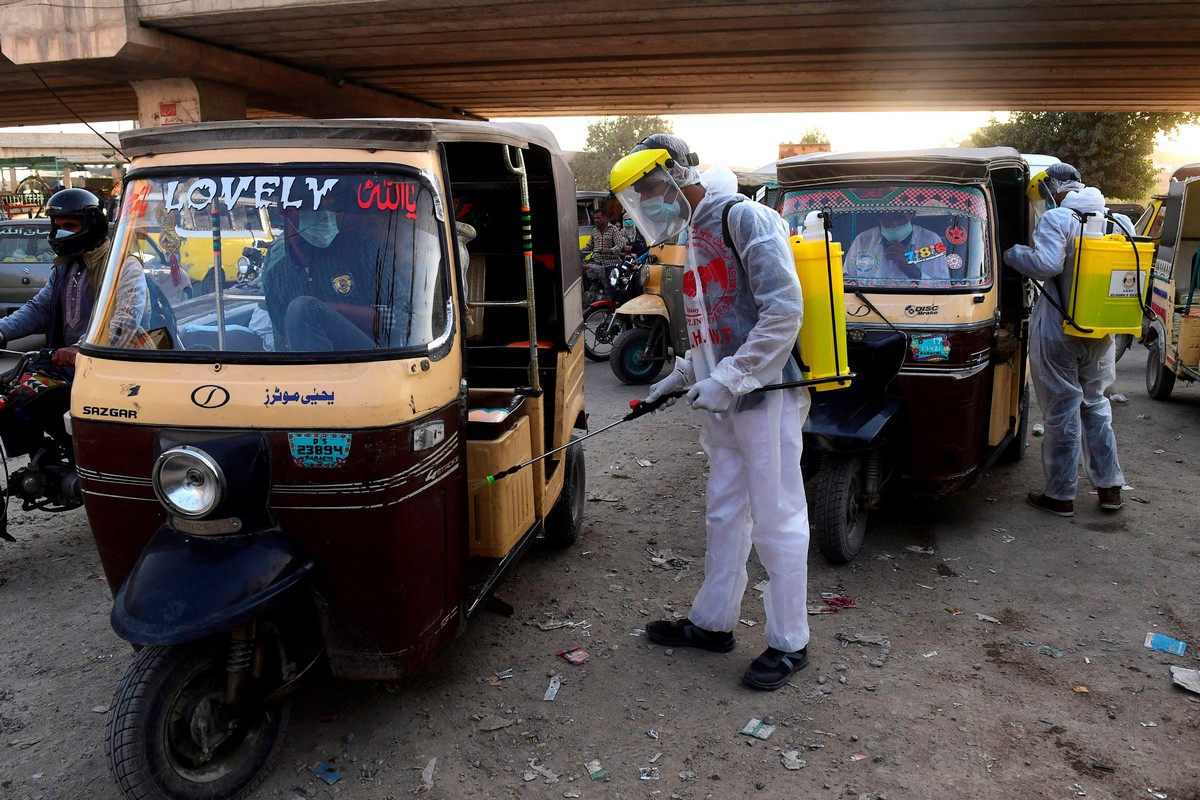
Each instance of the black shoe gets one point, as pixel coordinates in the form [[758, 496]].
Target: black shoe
[[1062, 508], [682, 633], [774, 667]]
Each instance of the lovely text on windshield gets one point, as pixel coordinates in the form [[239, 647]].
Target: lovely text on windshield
[[284, 191]]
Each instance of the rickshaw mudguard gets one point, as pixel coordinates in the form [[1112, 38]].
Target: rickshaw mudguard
[[845, 422], [645, 305], [186, 587]]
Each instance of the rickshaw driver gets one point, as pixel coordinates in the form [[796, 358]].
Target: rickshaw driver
[[1069, 373], [883, 252], [744, 307], [320, 285]]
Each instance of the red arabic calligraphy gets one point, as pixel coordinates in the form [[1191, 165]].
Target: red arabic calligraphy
[[389, 196]]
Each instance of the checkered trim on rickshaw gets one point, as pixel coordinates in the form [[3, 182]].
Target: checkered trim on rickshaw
[[874, 198]]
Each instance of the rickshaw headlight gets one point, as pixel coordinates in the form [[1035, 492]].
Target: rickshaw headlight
[[188, 481]]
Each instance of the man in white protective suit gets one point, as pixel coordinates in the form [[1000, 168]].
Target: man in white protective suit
[[744, 308], [1069, 373]]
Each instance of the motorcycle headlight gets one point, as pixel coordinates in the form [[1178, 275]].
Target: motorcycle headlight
[[243, 265], [188, 481]]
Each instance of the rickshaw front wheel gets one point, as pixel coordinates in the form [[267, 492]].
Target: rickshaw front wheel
[[171, 736], [1159, 380], [839, 509], [565, 520]]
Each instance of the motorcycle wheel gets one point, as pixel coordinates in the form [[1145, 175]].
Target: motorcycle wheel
[[839, 510], [599, 332], [631, 357], [1159, 380], [565, 520], [168, 700]]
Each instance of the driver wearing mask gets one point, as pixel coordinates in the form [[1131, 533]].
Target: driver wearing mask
[[320, 286], [891, 252]]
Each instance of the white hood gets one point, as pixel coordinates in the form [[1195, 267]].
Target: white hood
[[1086, 200]]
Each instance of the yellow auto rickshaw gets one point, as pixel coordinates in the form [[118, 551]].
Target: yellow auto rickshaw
[[302, 468]]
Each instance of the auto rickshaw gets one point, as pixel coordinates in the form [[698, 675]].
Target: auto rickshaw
[[1171, 331], [653, 328], [302, 468], [937, 327]]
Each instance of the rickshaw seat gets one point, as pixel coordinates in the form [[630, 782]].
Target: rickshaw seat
[[489, 414]]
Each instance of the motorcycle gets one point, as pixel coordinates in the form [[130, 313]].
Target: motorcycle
[[33, 400], [601, 322]]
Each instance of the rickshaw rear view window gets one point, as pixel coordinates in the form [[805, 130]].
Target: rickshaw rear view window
[[357, 266], [906, 237]]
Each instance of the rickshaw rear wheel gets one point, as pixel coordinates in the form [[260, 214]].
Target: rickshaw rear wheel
[[1159, 380], [170, 735], [565, 520], [839, 510], [632, 358], [1014, 451]]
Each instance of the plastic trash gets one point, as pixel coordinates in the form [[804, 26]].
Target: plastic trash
[[575, 655], [1158, 641], [325, 772], [758, 729], [1038, 429], [552, 689], [1187, 678]]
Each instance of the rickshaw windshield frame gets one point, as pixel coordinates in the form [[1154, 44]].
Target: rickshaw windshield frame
[[373, 224], [942, 239]]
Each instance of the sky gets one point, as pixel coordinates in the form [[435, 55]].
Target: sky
[[748, 141]]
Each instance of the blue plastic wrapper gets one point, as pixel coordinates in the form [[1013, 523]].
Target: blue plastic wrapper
[[1157, 641], [326, 772]]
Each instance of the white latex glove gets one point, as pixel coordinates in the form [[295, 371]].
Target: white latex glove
[[710, 395], [677, 381]]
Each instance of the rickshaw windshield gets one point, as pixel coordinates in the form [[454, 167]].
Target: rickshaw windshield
[[906, 237], [348, 261]]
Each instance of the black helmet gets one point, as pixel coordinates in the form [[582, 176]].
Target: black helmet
[[76, 203]]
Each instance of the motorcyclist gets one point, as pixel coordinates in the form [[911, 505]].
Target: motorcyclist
[[744, 308], [61, 311]]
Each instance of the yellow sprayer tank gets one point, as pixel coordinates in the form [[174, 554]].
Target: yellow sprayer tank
[[1108, 291], [823, 333]]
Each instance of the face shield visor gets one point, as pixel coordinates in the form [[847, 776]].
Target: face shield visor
[[651, 196]]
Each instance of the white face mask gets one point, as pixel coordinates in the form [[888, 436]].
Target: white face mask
[[318, 228]]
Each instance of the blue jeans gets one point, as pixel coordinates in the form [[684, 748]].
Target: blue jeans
[[312, 326]]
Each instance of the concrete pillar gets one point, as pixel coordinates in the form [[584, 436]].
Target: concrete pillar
[[11, 186], [177, 101], [66, 177]]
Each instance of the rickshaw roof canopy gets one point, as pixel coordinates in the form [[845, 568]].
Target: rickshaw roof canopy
[[953, 164], [362, 134]]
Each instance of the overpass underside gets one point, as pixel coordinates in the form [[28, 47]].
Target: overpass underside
[[186, 60]]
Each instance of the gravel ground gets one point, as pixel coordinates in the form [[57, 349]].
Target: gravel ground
[[912, 694]]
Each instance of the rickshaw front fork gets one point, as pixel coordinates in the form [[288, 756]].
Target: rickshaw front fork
[[239, 660], [871, 480]]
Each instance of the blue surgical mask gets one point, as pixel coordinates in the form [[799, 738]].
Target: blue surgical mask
[[896, 234], [658, 210], [318, 228], [62, 234]]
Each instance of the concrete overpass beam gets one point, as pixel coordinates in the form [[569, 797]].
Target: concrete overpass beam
[[171, 101]]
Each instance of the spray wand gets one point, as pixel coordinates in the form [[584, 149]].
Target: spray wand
[[638, 408]]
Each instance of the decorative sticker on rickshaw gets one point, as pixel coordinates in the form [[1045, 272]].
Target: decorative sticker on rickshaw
[[956, 234], [954, 261], [866, 264], [322, 450], [283, 397], [285, 191], [930, 347], [389, 195], [138, 206], [925, 253]]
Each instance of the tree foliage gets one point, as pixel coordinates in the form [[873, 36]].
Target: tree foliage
[[814, 136], [608, 140], [1112, 151]]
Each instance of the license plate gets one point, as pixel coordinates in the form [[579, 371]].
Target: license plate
[[320, 449]]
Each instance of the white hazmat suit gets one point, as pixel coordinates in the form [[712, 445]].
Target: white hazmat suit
[[743, 318], [1070, 373]]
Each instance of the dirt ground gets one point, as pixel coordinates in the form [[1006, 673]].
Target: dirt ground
[[954, 706]]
